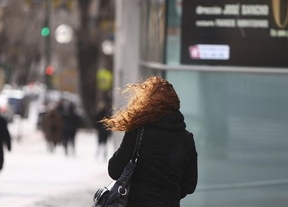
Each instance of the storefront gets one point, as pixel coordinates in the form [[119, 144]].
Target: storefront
[[228, 63]]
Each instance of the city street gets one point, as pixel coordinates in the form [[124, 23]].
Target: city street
[[32, 176], [223, 64]]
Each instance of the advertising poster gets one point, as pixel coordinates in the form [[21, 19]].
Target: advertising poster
[[235, 33]]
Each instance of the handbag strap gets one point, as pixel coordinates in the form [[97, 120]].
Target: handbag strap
[[137, 144]]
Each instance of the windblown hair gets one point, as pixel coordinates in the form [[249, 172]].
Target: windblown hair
[[147, 102]]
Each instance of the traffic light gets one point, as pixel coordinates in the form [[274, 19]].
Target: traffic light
[[49, 70], [45, 31]]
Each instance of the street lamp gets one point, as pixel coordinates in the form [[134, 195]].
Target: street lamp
[[63, 34], [107, 47], [45, 32]]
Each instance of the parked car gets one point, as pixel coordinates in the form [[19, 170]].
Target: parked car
[[18, 100], [34, 89], [6, 110]]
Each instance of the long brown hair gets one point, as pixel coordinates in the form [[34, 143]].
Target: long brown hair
[[147, 102]]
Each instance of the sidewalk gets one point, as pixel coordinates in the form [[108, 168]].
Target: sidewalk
[[70, 199], [76, 197], [33, 177], [80, 195]]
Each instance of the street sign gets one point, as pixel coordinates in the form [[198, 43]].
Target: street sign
[[104, 79], [235, 33]]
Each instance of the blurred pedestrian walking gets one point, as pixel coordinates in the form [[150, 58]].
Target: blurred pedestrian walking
[[5, 139], [53, 126], [102, 110], [72, 123]]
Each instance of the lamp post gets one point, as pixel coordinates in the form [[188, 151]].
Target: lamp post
[[45, 32]]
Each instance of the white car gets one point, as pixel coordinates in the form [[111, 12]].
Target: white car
[[18, 100]]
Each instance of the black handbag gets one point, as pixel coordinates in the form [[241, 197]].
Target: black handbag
[[116, 194]]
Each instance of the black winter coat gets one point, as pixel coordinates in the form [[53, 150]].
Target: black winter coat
[[103, 133], [4, 139], [166, 170]]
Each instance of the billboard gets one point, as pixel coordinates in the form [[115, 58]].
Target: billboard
[[235, 33]]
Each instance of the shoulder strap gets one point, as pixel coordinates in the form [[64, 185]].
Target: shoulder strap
[[137, 144]]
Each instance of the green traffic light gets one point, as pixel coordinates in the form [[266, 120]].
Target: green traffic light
[[45, 31]]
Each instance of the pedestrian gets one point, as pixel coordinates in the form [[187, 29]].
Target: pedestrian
[[102, 111], [72, 123], [5, 138], [166, 169], [53, 126]]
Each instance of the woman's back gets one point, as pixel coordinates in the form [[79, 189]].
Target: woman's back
[[167, 165]]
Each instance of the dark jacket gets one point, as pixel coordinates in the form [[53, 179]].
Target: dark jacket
[[166, 170], [72, 123], [103, 133], [4, 139], [53, 126]]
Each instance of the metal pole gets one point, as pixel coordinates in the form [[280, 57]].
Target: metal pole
[[47, 42], [126, 65]]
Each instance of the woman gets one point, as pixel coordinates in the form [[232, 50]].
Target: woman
[[167, 165]]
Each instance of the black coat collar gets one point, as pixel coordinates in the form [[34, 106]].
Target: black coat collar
[[173, 121]]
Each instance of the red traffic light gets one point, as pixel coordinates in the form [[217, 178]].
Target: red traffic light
[[49, 70]]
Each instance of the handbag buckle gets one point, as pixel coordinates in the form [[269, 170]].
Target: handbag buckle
[[122, 189]]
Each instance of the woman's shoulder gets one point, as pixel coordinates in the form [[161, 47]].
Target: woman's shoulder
[[189, 137], [189, 134], [131, 132], [130, 136]]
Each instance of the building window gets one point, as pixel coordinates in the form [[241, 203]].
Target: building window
[[152, 30]]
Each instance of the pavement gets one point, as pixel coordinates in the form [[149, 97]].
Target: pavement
[[247, 172], [34, 177]]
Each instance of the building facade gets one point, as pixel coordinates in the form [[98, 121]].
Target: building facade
[[227, 61]]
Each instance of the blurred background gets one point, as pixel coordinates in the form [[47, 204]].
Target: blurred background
[[226, 60]]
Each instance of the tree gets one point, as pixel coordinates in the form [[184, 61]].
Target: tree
[[22, 46], [20, 40], [90, 36]]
